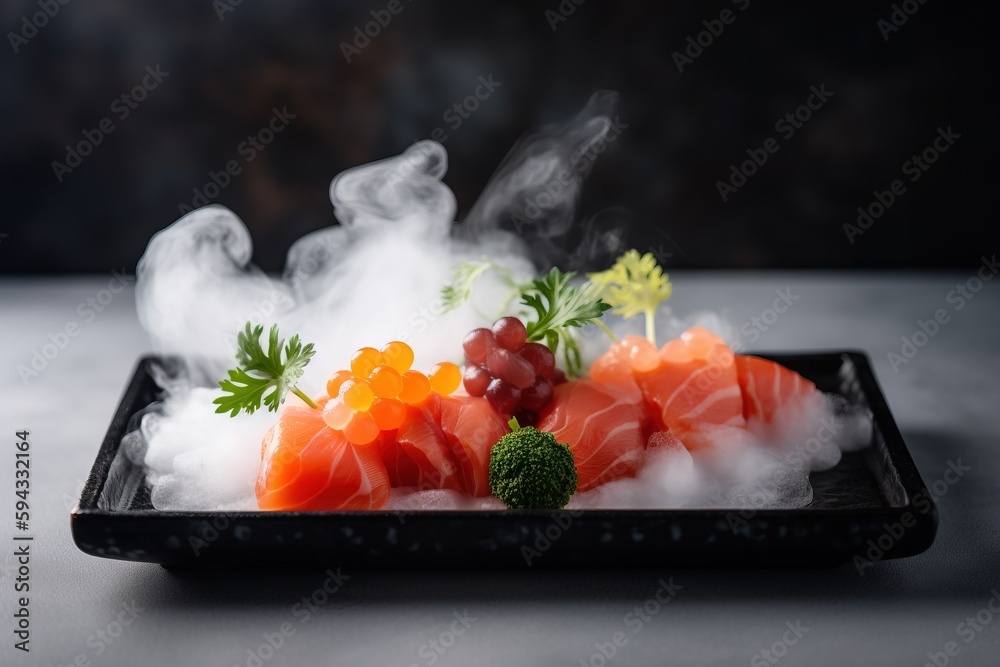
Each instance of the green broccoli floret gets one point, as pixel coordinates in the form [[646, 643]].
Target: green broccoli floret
[[530, 469]]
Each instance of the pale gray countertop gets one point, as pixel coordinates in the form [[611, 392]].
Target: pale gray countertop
[[946, 401]]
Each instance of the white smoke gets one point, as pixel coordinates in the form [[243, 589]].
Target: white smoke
[[374, 277]]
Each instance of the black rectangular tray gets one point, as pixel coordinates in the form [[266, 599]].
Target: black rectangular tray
[[859, 503]]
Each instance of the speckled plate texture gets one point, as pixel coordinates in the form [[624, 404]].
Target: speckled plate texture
[[873, 505]]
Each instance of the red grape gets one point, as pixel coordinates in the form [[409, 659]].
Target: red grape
[[525, 417], [506, 365], [477, 379], [503, 396], [537, 396], [540, 357], [477, 343], [515, 376], [509, 333]]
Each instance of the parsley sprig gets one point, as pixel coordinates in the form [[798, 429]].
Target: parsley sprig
[[559, 307], [464, 279], [264, 376]]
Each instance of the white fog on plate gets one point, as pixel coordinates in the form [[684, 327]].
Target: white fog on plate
[[377, 276]]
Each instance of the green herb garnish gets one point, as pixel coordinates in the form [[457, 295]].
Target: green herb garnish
[[634, 284], [559, 307], [264, 377], [464, 278]]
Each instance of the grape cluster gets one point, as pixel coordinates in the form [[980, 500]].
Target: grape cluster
[[515, 376]]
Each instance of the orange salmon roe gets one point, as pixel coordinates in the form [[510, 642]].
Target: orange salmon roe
[[356, 394], [416, 388], [385, 382], [336, 414], [372, 396], [388, 413], [398, 355], [361, 428], [445, 377], [337, 379], [364, 361]]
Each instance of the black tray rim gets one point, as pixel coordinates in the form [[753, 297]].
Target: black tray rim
[[87, 513]]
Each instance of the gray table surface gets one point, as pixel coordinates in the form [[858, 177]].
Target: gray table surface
[[946, 400]]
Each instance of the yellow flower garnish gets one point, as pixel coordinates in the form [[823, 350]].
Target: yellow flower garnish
[[634, 284]]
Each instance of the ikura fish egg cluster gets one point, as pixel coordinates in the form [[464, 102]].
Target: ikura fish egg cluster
[[372, 396]]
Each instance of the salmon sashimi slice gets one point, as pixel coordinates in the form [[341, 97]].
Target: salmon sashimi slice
[[425, 457], [623, 360], [472, 427], [305, 465], [402, 469], [771, 390], [604, 425], [695, 387]]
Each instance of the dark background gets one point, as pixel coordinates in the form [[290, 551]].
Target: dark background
[[684, 129]]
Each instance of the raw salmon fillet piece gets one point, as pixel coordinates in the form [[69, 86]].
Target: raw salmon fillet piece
[[604, 425], [423, 455], [472, 427], [305, 465], [695, 387], [769, 387]]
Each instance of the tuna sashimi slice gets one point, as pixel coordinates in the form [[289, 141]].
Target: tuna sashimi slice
[[605, 427], [472, 427], [305, 465]]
